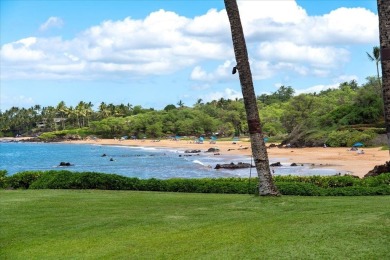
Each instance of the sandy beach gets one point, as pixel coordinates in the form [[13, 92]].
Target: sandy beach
[[341, 159]]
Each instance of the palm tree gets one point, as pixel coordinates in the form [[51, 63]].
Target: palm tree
[[61, 108], [259, 151], [88, 111], [199, 102], [376, 56], [72, 116], [103, 110], [180, 104], [384, 37], [129, 109], [81, 113]]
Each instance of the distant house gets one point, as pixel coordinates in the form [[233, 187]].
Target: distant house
[[41, 125], [59, 119]]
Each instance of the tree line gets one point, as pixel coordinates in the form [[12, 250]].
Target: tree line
[[283, 114]]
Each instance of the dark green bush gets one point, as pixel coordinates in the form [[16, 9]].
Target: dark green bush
[[300, 189], [182, 185], [84, 180], [22, 180], [383, 179], [3, 178], [287, 185], [323, 181], [92, 180], [358, 191]]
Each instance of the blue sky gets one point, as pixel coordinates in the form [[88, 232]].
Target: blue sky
[[154, 53]]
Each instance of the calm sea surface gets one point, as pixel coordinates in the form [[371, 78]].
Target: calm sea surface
[[138, 162]]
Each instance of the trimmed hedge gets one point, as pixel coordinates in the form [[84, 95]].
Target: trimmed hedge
[[287, 185], [22, 180], [3, 178]]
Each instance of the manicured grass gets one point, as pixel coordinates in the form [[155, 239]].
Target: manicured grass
[[90, 224]]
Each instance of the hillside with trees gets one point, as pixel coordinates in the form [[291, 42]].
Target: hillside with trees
[[336, 117]]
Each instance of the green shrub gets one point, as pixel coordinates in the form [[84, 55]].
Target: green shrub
[[383, 179], [84, 180], [299, 189], [22, 180], [358, 191], [182, 185], [83, 132], [322, 181], [47, 136], [287, 185], [3, 178], [346, 138]]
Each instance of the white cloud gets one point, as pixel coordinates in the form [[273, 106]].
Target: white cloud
[[15, 101], [213, 23], [317, 88], [318, 57], [287, 21], [51, 23], [222, 72], [346, 78], [281, 37], [345, 26], [22, 51], [228, 93]]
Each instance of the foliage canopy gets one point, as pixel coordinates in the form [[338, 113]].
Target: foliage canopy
[[351, 111]]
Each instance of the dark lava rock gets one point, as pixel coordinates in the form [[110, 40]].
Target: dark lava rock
[[192, 151], [277, 164], [233, 166], [378, 170], [65, 164]]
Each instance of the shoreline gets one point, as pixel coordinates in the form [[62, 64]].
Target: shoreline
[[337, 158]]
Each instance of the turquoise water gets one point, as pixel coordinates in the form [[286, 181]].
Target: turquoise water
[[138, 162]]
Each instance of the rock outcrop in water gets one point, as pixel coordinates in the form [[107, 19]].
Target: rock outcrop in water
[[233, 166], [62, 164], [212, 150], [192, 151], [277, 164]]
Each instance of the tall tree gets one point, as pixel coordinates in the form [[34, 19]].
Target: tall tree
[[199, 102], [180, 104], [103, 111], [61, 108], [376, 56], [259, 151], [384, 38]]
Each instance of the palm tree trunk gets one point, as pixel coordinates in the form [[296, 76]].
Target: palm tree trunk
[[384, 37], [259, 151]]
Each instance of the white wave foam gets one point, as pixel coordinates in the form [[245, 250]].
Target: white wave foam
[[148, 148], [198, 162]]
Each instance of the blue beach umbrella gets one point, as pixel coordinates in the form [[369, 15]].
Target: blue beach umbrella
[[358, 145]]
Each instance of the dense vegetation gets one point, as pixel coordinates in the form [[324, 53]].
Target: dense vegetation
[[287, 185], [337, 117]]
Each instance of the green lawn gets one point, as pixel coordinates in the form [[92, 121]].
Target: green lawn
[[90, 224]]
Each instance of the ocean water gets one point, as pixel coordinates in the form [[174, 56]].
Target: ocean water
[[141, 162]]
